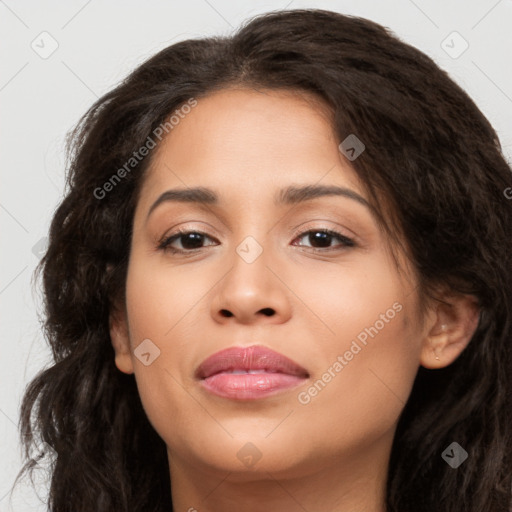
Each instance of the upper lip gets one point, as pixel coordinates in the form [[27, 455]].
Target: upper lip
[[255, 357]]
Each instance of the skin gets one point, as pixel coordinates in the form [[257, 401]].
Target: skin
[[331, 453]]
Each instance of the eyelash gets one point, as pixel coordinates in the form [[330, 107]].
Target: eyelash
[[164, 244]]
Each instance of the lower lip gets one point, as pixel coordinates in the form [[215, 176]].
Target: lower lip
[[250, 386]]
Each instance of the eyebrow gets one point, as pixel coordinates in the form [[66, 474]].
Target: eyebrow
[[288, 196]]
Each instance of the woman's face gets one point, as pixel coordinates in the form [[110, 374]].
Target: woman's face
[[266, 273]]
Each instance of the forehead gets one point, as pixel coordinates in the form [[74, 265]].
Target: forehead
[[241, 137]]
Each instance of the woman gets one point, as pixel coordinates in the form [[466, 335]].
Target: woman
[[281, 279]]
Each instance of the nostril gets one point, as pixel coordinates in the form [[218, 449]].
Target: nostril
[[226, 313], [267, 311]]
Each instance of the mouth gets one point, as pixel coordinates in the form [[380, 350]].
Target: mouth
[[249, 373]]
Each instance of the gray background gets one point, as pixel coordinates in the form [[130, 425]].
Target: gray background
[[42, 96]]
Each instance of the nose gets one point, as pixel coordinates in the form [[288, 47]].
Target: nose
[[251, 292]]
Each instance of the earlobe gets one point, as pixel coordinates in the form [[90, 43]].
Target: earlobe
[[454, 324], [120, 339]]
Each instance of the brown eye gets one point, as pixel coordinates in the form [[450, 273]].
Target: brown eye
[[322, 238], [189, 241]]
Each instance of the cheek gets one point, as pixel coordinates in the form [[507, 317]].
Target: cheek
[[164, 304], [362, 302], [369, 358]]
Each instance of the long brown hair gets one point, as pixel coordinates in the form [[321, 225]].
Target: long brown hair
[[430, 153]]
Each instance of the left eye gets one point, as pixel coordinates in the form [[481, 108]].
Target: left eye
[[193, 240], [324, 237]]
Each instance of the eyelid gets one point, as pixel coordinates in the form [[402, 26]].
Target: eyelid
[[305, 226], [185, 227]]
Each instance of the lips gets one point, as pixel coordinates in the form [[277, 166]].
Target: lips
[[249, 360], [250, 373]]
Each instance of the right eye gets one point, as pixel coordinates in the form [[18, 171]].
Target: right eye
[[190, 241]]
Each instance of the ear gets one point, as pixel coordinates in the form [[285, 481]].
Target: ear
[[119, 336], [453, 324]]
